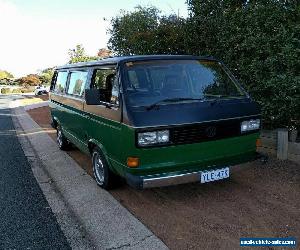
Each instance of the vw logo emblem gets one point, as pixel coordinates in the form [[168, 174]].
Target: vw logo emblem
[[210, 131]]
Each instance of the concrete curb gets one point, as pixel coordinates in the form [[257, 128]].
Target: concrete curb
[[36, 105], [89, 216], [17, 103]]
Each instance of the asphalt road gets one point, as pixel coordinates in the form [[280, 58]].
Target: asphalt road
[[27, 221]]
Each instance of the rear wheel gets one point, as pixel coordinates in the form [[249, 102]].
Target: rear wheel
[[105, 178], [62, 141]]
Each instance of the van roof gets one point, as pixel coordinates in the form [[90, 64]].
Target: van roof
[[118, 59]]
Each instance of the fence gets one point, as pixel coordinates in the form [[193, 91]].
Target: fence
[[275, 142]]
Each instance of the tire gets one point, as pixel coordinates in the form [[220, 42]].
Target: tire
[[61, 140], [104, 177]]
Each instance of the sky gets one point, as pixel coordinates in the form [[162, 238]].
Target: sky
[[37, 34]]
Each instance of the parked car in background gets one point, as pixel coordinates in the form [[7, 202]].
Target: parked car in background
[[41, 90]]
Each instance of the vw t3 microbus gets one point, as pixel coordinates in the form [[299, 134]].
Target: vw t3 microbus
[[155, 120]]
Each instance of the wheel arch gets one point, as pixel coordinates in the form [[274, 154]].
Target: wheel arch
[[92, 143], [55, 122]]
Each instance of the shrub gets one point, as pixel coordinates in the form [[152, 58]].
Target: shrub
[[30, 80], [28, 90], [5, 91], [16, 91], [259, 41]]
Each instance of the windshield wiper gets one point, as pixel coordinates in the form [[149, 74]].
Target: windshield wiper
[[222, 96], [217, 98], [178, 99]]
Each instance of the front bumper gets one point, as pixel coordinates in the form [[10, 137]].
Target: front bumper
[[139, 181], [143, 182]]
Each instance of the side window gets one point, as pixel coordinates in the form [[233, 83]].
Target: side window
[[107, 82], [77, 82], [61, 81]]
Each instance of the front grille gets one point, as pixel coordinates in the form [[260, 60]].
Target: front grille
[[208, 131]]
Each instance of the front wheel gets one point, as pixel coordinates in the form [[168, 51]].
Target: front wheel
[[105, 178]]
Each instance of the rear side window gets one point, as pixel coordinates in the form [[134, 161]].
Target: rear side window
[[61, 82], [77, 82]]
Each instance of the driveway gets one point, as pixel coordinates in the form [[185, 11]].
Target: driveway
[[27, 221]]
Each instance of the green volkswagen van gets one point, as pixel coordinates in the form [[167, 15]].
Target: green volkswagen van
[[155, 120]]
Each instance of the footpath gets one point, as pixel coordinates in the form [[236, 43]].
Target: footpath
[[89, 216]]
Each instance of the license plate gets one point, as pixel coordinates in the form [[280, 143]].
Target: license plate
[[214, 175]]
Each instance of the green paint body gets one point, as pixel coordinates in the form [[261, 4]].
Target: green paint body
[[117, 142]]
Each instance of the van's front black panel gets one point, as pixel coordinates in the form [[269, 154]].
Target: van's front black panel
[[207, 131], [193, 112]]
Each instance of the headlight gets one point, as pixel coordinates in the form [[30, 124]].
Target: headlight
[[250, 125], [155, 137]]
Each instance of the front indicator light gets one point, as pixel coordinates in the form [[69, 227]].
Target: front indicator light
[[133, 162]]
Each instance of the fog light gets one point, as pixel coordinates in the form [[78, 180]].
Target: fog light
[[133, 162]]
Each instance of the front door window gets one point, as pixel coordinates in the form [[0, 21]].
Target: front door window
[[107, 82]]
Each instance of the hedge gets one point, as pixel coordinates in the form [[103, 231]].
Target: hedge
[[27, 90], [258, 40], [5, 91], [16, 91]]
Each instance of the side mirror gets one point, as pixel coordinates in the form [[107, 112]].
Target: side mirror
[[92, 96]]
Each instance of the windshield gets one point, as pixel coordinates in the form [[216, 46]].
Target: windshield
[[150, 82]]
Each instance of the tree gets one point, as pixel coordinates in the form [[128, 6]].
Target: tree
[[5, 75], [258, 40], [170, 35], [30, 80], [103, 53], [46, 75], [78, 55], [146, 31], [133, 32]]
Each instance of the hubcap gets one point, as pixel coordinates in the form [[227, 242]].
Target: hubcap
[[98, 168]]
